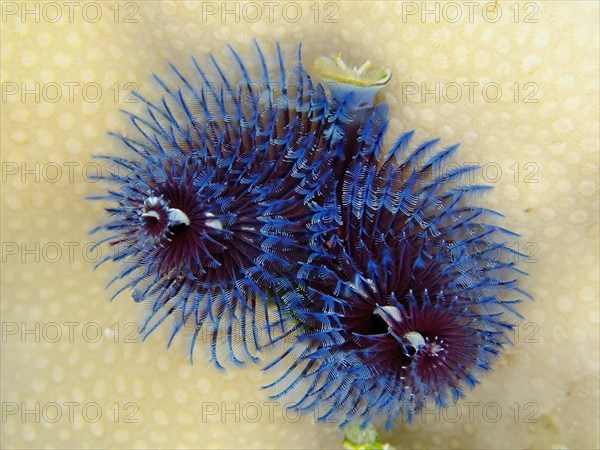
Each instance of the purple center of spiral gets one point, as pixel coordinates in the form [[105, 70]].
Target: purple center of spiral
[[158, 218], [413, 342], [431, 340]]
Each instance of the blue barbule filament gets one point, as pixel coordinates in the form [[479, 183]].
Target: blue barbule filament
[[411, 298], [216, 195], [255, 207]]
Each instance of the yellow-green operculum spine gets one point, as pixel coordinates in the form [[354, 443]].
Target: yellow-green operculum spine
[[362, 81]]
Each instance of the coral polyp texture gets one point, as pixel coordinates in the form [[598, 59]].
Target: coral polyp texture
[[269, 214]]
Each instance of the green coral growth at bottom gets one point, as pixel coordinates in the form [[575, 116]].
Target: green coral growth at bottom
[[364, 438]]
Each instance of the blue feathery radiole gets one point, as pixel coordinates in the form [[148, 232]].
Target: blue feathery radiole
[[253, 211], [216, 193], [411, 298]]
